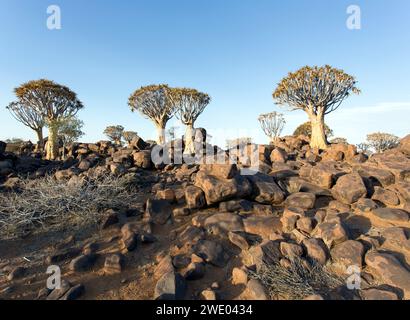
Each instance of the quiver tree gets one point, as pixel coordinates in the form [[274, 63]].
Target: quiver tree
[[53, 102], [129, 136], [272, 124], [381, 141], [191, 103], [114, 133], [306, 130], [156, 102], [318, 91], [30, 117]]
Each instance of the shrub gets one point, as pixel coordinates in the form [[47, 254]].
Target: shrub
[[297, 281], [44, 204]]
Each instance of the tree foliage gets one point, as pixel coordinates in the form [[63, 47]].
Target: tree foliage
[[156, 102], [316, 90], [49, 99], [191, 103], [381, 141], [70, 129], [129, 136], [114, 133], [306, 130], [27, 115], [272, 124]]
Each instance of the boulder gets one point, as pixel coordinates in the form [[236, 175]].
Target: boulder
[[391, 215], [262, 226], [348, 253], [316, 250], [158, 211], [225, 221], [385, 196], [171, 286], [265, 189], [256, 291], [224, 171], [331, 232], [217, 189], [195, 197], [113, 264], [404, 145], [389, 270], [304, 200], [142, 159], [349, 188], [212, 252]]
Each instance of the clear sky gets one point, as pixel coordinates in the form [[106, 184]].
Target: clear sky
[[235, 50]]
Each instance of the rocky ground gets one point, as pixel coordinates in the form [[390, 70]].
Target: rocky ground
[[298, 229]]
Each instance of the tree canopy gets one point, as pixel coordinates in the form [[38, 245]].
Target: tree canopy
[[191, 103], [114, 133], [316, 90], [272, 124]]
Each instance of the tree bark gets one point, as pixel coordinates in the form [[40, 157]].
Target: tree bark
[[52, 143], [40, 139], [161, 133], [318, 138], [189, 139]]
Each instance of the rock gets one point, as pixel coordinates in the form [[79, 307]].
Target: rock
[[158, 211], [208, 295], [316, 250], [332, 233], [305, 224], [167, 194], [238, 240], [181, 261], [256, 290], [56, 294], [324, 174], [194, 271], [142, 159], [302, 200], [389, 270], [181, 212], [224, 171], [278, 155], [390, 214], [212, 252], [171, 286], [82, 263], [349, 188], [236, 206], [195, 197], [225, 221], [366, 205], [262, 226], [376, 175], [314, 297], [217, 189], [239, 276], [404, 145], [378, 294], [290, 217], [164, 266], [129, 237], [74, 293], [348, 253], [265, 189], [17, 273], [395, 162], [138, 143], [109, 218], [268, 252], [113, 264], [291, 250], [385, 196], [62, 256]]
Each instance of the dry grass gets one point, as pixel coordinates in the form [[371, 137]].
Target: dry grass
[[298, 281], [46, 203]]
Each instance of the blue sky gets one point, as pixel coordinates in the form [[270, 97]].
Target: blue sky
[[235, 50]]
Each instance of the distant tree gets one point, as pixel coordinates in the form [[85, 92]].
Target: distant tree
[[364, 147], [306, 130], [114, 133], [172, 133], [69, 130], [129, 136], [381, 141], [30, 117], [318, 91], [272, 124], [156, 102], [15, 141], [339, 140], [191, 103], [233, 143], [52, 101]]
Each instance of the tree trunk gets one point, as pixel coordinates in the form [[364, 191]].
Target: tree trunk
[[161, 133], [52, 143], [189, 139], [318, 138], [40, 139]]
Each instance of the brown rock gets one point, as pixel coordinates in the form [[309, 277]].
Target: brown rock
[[348, 253], [304, 200], [316, 250], [385, 196], [195, 197], [349, 188]]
